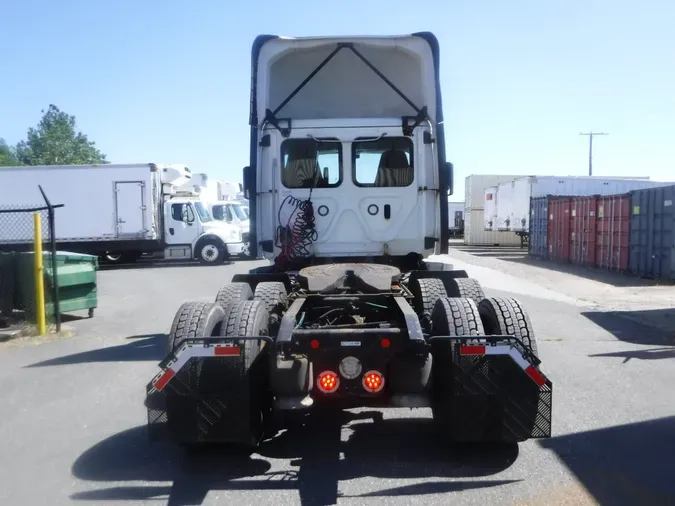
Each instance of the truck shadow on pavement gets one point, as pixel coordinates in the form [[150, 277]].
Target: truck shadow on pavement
[[388, 449], [622, 465], [654, 327], [146, 347]]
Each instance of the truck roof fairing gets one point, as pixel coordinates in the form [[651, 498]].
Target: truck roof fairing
[[345, 77]]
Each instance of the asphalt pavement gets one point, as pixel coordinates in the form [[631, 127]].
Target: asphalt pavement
[[73, 424]]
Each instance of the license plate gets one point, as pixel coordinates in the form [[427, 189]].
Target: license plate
[[351, 343]]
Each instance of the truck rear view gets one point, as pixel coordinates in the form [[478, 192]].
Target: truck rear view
[[348, 187]]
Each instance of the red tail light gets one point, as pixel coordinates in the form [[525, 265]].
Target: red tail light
[[373, 381], [328, 382]]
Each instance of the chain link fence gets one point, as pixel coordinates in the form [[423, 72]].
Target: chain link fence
[[18, 294]]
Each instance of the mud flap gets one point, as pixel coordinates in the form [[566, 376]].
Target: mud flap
[[490, 392], [204, 393]]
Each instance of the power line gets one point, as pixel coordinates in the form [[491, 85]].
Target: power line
[[590, 149]]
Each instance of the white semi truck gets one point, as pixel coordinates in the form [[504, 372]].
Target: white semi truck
[[117, 211], [360, 307]]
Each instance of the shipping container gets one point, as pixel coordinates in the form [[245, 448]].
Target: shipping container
[[558, 239], [516, 208], [613, 232], [538, 227], [476, 235], [583, 235], [652, 239], [490, 208], [475, 184]]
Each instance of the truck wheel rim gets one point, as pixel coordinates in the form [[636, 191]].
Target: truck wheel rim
[[210, 253], [245, 249]]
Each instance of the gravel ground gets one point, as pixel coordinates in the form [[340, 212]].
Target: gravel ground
[[73, 422]]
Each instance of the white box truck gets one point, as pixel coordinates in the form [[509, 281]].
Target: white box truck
[[232, 212], [116, 211], [218, 197]]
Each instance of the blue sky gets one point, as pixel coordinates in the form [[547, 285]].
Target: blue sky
[[169, 81]]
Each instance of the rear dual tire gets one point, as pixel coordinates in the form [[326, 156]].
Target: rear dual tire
[[460, 414], [428, 290], [237, 319]]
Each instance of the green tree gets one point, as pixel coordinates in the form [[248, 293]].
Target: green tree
[[7, 154], [55, 142]]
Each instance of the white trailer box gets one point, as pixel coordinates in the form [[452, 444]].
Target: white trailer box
[[504, 203], [100, 202], [476, 235], [514, 197], [474, 191], [490, 208]]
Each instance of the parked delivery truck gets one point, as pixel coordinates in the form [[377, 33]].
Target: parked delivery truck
[[116, 211]]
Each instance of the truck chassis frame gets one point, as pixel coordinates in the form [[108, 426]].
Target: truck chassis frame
[[344, 336]]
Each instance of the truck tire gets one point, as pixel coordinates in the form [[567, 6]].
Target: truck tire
[[248, 318], [505, 316], [211, 252], [454, 316], [272, 294], [118, 258], [194, 320], [466, 288], [233, 293], [426, 292], [451, 316]]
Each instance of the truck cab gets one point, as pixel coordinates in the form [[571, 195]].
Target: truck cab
[[232, 212], [342, 170], [189, 228], [374, 191]]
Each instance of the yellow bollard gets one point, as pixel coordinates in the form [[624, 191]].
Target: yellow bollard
[[40, 320]]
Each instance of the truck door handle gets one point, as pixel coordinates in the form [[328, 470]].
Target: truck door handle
[[171, 231], [387, 211]]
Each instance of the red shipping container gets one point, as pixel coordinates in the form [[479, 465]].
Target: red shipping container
[[559, 228], [613, 232], [583, 229]]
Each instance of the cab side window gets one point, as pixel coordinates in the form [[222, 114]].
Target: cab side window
[[177, 212], [218, 213]]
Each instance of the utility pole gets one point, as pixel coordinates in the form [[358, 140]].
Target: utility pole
[[590, 149]]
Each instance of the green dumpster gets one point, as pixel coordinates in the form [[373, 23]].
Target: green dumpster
[[7, 283], [77, 282]]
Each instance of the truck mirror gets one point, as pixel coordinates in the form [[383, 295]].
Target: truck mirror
[[185, 215], [449, 170], [245, 178]]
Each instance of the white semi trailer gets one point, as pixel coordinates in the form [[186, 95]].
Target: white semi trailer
[[117, 211]]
